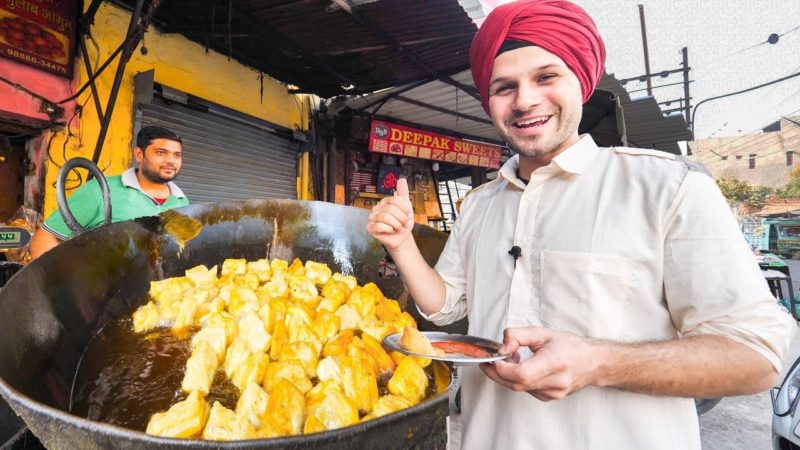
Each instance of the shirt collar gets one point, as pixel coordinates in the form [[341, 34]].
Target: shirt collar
[[574, 159], [129, 179]]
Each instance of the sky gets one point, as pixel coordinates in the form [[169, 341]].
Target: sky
[[719, 35]]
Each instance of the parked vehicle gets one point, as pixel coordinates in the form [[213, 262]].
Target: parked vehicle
[[785, 415], [782, 237]]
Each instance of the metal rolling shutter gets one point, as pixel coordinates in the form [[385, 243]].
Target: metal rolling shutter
[[227, 159]]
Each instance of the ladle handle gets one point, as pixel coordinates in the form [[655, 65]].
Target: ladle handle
[[61, 195]]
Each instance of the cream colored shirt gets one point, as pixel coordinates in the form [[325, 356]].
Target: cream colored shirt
[[623, 244]]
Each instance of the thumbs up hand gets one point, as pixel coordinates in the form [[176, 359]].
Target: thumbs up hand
[[392, 219]]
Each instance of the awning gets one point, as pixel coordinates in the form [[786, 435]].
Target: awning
[[329, 47]]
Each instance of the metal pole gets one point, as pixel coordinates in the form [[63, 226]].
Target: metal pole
[[688, 108], [123, 61], [90, 74], [646, 54]]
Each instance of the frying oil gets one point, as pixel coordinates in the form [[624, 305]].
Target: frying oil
[[124, 378]]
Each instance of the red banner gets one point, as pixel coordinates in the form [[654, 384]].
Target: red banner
[[40, 33], [385, 137]]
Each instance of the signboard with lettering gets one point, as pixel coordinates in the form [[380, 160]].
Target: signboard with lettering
[[40, 33], [393, 139]]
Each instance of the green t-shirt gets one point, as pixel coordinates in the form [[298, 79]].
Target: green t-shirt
[[128, 201]]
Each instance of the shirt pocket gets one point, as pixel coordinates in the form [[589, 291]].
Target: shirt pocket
[[590, 294]]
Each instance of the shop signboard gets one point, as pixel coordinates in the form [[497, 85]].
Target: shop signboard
[[40, 33], [393, 139]]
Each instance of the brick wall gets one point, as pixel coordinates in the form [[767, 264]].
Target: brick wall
[[732, 156]]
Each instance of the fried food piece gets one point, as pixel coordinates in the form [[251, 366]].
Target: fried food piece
[[169, 289], [328, 369], [252, 404], [278, 285], [298, 314], [251, 370], [234, 267], [387, 405], [186, 315], [225, 425], [296, 268], [236, 355], [215, 305], [363, 301], [348, 316], [280, 337], [441, 376], [384, 362], [200, 369], [357, 349], [349, 280], [303, 290], [253, 331], [304, 333], [409, 381], [286, 409], [291, 370], [359, 382], [376, 328], [337, 345], [146, 318], [304, 352], [215, 337], [242, 302], [248, 280], [318, 273], [338, 290], [261, 269], [202, 276], [279, 265], [328, 408], [397, 357], [184, 419], [415, 342], [388, 310], [222, 320], [405, 320], [326, 325]]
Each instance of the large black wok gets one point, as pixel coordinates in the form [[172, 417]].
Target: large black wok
[[53, 307]]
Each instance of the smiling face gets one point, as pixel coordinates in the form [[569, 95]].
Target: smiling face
[[161, 161], [535, 102]]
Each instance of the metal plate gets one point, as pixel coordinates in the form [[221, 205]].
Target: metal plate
[[491, 347]]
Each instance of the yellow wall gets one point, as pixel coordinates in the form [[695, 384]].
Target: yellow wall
[[178, 63]]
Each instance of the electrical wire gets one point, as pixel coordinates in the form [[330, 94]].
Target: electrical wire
[[746, 136], [760, 43]]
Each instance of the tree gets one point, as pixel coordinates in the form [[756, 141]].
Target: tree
[[734, 189], [737, 191], [792, 188]]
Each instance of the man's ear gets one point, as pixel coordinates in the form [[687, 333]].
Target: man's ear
[[138, 153]]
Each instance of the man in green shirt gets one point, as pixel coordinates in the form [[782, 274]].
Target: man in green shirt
[[143, 191]]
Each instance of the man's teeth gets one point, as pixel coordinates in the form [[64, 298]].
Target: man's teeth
[[536, 121]]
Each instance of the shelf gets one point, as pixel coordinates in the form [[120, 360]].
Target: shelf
[[372, 195]]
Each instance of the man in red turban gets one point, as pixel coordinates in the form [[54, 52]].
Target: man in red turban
[[588, 262], [560, 27]]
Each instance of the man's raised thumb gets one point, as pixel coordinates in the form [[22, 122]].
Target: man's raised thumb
[[402, 188]]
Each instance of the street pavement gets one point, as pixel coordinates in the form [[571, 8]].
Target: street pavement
[[744, 423]]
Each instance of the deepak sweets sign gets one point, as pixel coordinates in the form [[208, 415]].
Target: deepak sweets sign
[[393, 139], [40, 33]]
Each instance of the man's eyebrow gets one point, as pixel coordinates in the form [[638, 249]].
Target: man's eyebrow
[[537, 69]]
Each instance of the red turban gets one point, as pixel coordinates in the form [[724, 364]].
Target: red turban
[[560, 27]]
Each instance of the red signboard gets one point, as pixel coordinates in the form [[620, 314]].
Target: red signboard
[[385, 137], [40, 33]]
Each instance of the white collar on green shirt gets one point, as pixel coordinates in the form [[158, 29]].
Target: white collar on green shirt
[[129, 179]]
